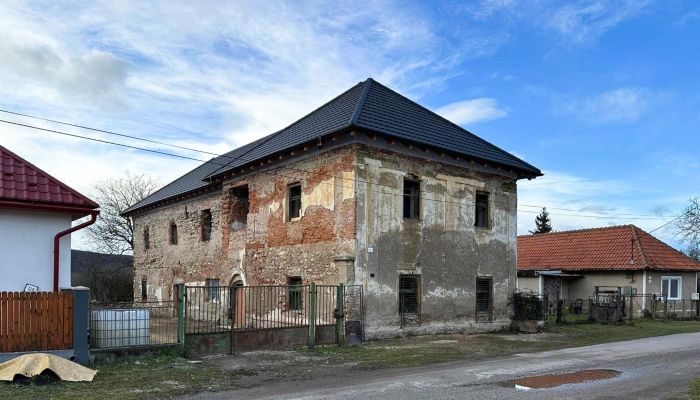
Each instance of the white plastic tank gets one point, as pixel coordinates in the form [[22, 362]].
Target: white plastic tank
[[115, 327]]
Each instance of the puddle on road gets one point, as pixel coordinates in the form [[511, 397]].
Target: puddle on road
[[555, 380]]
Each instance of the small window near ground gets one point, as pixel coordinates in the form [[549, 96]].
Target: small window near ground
[[213, 292], [481, 208], [294, 206], [483, 299], [240, 206], [144, 289], [294, 291], [206, 225], [671, 287], [411, 199], [409, 294], [146, 238], [173, 233]]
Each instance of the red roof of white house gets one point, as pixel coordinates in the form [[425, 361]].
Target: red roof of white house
[[614, 248], [21, 182]]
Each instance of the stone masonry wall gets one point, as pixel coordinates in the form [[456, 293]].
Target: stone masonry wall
[[443, 246], [265, 248]]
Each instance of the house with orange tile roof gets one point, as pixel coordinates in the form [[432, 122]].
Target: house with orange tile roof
[[36, 216], [570, 264]]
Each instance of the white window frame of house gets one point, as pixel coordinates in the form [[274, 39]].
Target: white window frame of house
[[665, 291]]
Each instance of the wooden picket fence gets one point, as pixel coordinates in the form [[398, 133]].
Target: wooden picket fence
[[36, 321]]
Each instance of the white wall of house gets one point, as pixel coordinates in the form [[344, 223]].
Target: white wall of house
[[26, 249]]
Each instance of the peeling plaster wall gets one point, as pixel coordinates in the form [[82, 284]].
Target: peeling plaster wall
[[443, 246], [269, 248]]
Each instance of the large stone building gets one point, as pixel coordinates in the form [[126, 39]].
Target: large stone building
[[370, 189]]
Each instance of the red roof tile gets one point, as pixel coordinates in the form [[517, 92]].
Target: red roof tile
[[623, 247], [23, 182]]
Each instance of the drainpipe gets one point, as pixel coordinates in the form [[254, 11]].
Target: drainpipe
[[644, 290], [56, 245]]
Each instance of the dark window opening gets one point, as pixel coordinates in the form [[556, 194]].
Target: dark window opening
[[294, 201], [144, 289], [213, 291], [240, 207], [294, 291], [629, 275], [483, 299], [173, 233], [146, 238], [409, 294], [481, 217], [411, 199], [206, 225]]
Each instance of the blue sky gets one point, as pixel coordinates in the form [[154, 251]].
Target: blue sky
[[603, 96]]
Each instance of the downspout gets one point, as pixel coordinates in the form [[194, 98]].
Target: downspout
[[56, 245], [644, 290]]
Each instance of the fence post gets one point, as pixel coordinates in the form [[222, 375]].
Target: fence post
[[312, 315], [631, 300], [81, 311], [340, 315], [560, 311], [181, 314]]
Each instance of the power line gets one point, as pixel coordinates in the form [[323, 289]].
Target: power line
[[287, 167]]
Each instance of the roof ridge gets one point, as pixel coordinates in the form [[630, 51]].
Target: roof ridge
[[361, 101], [635, 238], [482, 140], [578, 230], [89, 202]]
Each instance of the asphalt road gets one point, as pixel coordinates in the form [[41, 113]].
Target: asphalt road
[[651, 368]]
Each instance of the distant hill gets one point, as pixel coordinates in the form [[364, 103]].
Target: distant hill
[[110, 277]]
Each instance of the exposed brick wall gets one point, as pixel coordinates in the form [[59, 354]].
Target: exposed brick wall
[[269, 248]]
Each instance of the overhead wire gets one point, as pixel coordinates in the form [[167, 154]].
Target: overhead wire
[[212, 161]]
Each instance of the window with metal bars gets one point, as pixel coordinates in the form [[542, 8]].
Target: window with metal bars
[[213, 290], [481, 210], [411, 199], [409, 294], [483, 298], [294, 199], [294, 290], [144, 289]]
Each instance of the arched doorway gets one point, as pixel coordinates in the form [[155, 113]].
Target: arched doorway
[[237, 301]]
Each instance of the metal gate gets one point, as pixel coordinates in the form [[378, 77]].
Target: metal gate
[[221, 319]]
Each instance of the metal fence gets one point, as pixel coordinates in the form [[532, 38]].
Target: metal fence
[[567, 310], [130, 324], [658, 307]]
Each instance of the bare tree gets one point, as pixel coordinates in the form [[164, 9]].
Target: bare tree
[[113, 233], [688, 225]]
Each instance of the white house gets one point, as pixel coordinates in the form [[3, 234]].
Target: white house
[[36, 214]]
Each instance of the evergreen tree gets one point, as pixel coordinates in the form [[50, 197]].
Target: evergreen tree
[[542, 222]]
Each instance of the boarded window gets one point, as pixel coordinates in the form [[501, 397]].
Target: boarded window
[[240, 206], [213, 291], [173, 233], [294, 205], [294, 291], [146, 238], [483, 299], [144, 289], [481, 208], [411, 199], [206, 225], [409, 294]]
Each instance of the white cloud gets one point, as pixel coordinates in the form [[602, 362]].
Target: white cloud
[[626, 104], [585, 21], [471, 111]]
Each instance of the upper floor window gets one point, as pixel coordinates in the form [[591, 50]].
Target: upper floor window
[[206, 225], [411, 199], [173, 233], [146, 238], [294, 201], [481, 210], [240, 206]]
